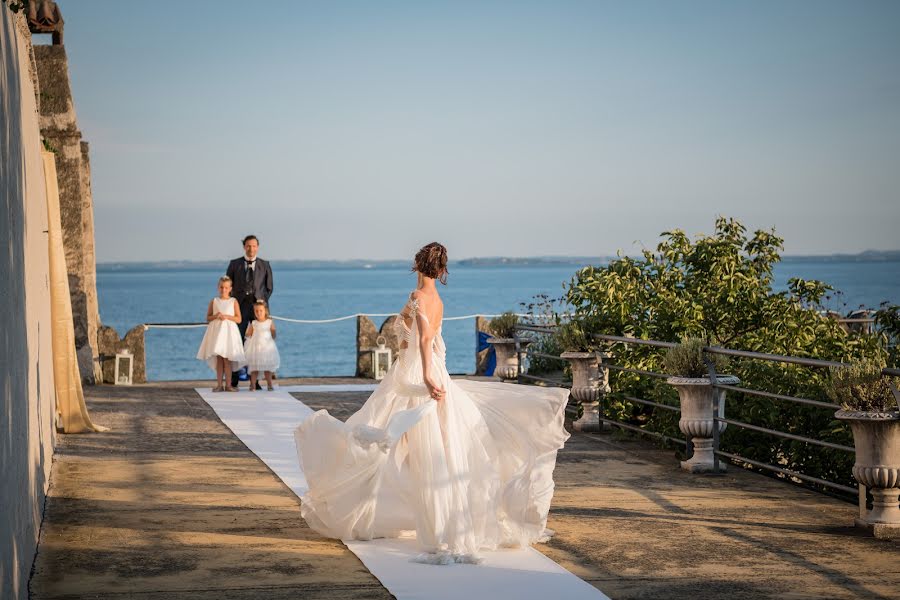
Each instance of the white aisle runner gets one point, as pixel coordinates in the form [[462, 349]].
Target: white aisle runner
[[265, 423]]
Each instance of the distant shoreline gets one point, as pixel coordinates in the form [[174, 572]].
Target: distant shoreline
[[491, 261]]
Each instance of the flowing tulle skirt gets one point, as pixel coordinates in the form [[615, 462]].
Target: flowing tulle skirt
[[472, 472], [222, 338], [261, 353]]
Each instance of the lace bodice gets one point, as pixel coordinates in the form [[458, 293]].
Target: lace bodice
[[404, 331]]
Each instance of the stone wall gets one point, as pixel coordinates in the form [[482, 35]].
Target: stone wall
[[90, 257], [481, 356], [109, 345], [59, 126], [366, 339], [27, 397], [367, 336]]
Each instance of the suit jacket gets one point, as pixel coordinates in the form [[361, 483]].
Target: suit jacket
[[262, 280]]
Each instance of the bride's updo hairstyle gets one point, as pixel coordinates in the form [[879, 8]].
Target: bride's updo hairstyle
[[431, 261]]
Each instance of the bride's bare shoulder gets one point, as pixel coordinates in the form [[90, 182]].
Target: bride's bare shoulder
[[428, 304]]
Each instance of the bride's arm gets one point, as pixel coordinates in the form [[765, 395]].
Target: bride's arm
[[426, 345]]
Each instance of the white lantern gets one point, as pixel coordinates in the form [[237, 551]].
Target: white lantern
[[381, 359], [121, 377]]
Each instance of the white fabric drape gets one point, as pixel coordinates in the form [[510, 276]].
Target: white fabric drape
[[72, 413]]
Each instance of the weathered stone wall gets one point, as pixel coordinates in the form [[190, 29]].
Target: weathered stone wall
[[27, 397], [109, 345], [59, 126], [90, 260], [366, 339], [367, 336]]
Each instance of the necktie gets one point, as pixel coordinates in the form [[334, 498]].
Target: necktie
[[248, 275]]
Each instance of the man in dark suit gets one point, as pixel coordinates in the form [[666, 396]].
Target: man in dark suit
[[251, 281]]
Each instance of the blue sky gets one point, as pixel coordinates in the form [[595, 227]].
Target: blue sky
[[365, 129]]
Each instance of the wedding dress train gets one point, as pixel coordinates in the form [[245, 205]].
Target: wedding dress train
[[472, 472]]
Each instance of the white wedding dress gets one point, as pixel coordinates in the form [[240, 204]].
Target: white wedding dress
[[222, 338], [472, 472]]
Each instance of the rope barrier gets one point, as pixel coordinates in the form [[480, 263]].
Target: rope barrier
[[173, 325], [310, 321], [335, 320]]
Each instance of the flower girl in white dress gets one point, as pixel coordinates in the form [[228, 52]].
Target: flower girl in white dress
[[221, 347], [260, 349], [466, 465]]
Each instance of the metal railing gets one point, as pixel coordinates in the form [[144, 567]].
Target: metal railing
[[718, 413], [522, 352]]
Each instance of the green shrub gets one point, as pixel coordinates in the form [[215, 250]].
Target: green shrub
[[720, 287], [862, 387], [542, 310], [887, 323], [688, 359], [574, 336], [504, 326]]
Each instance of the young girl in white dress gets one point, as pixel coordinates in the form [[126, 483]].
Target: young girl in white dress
[[260, 350], [221, 347]]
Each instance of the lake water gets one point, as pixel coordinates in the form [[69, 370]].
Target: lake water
[[128, 298]]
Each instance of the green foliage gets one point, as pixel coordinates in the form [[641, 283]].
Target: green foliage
[[887, 322], [719, 288], [542, 310], [862, 387], [688, 359], [574, 336], [541, 365], [504, 326]]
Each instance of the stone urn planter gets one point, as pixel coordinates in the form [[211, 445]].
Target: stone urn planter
[[507, 357], [876, 437], [589, 382], [695, 395]]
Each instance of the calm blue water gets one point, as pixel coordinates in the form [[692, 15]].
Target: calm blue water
[[128, 298]]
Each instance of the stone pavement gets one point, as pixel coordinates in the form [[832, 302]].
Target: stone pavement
[[169, 504]]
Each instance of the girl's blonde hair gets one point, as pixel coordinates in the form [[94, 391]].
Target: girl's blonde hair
[[264, 305], [224, 279]]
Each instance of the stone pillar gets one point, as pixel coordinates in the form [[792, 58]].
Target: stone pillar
[[366, 339], [59, 128], [481, 357], [90, 262]]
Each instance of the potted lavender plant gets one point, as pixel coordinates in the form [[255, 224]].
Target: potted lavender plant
[[869, 406], [589, 379], [689, 375], [503, 329]]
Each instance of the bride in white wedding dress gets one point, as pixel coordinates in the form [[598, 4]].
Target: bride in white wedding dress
[[467, 465]]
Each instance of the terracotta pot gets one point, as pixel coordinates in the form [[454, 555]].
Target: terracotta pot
[[695, 394], [876, 437], [507, 357]]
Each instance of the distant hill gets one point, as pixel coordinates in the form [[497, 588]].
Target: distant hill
[[186, 265], [490, 261], [867, 256], [531, 261]]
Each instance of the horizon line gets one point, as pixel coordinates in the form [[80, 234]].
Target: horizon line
[[557, 257]]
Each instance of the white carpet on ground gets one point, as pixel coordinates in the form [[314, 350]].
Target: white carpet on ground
[[265, 421], [343, 387]]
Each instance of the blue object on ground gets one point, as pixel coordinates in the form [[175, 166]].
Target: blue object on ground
[[492, 356]]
